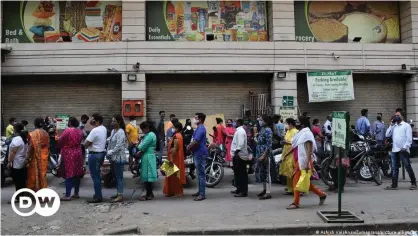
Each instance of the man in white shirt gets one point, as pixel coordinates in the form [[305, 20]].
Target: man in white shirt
[[96, 144], [328, 126], [401, 134], [239, 151]]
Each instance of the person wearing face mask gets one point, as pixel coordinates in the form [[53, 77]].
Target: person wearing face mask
[[401, 134], [148, 160], [173, 185], [303, 146], [229, 132], [10, 128], [363, 123], [96, 144], [286, 168], [200, 152], [264, 155], [378, 129]]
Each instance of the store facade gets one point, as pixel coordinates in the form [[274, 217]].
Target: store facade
[[184, 58]]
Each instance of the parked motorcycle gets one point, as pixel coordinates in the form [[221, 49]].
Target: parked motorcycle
[[363, 164], [5, 172], [383, 158]]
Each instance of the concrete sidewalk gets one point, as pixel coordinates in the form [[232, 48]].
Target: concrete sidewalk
[[220, 211]]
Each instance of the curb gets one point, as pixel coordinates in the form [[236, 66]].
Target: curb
[[385, 227], [129, 230]]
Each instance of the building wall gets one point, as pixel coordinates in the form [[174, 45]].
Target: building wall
[[281, 53]]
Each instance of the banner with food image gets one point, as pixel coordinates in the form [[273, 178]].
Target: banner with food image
[[206, 21], [61, 21], [343, 21]]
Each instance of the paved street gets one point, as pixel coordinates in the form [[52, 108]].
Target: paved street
[[222, 210]]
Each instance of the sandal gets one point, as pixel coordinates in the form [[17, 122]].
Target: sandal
[[144, 198], [262, 193], [287, 193], [199, 198], [391, 188], [114, 197], [266, 196], [292, 207], [94, 200], [119, 198], [322, 199]]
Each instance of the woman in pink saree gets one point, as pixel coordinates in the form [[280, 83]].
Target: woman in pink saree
[[71, 166], [229, 131]]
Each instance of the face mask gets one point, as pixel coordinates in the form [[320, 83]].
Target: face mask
[[397, 119], [196, 121], [261, 123], [379, 118], [93, 123], [173, 130]]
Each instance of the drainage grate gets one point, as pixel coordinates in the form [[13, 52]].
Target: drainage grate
[[345, 217]]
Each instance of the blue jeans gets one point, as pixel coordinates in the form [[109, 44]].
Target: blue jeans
[[404, 156], [70, 183], [200, 162], [118, 167], [95, 162]]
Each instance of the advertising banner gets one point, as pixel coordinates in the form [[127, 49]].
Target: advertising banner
[[61, 21], [329, 86], [206, 21], [343, 21]]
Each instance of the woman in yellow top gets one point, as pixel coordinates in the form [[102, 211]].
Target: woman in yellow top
[[132, 131], [286, 168]]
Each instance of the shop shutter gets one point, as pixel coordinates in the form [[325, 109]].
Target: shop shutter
[[184, 95], [381, 93], [28, 97]]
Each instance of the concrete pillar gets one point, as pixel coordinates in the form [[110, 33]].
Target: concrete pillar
[[409, 21], [135, 90], [412, 98], [133, 20], [283, 87], [281, 19]]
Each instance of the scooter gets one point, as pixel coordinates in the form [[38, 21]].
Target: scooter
[[5, 172]]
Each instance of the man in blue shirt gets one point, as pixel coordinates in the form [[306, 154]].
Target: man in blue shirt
[[363, 124], [200, 152], [378, 129]]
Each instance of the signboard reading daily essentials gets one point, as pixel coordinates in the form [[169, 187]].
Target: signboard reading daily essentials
[[61, 21], [329, 86], [342, 21], [199, 20]]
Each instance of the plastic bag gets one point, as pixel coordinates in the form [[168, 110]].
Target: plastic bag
[[169, 169], [304, 181]]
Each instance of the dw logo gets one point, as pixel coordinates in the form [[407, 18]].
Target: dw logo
[[47, 202]]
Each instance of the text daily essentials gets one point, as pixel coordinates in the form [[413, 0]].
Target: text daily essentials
[[158, 37]]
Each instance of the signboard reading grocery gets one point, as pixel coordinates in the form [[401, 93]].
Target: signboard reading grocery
[[206, 21], [328, 86], [342, 21], [61, 21]]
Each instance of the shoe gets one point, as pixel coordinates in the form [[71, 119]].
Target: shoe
[[261, 194], [391, 187], [235, 192], [413, 187], [95, 200], [322, 199], [119, 198], [266, 196], [199, 198], [65, 199], [76, 196], [114, 197], [241, 195], [196, 194]]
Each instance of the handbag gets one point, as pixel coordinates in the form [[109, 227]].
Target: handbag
[[304, 181], [345, 161]]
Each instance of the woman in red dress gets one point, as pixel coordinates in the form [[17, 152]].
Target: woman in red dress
[[229, 131], [71, 166]]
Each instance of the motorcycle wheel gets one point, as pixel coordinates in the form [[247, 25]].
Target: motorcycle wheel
[[218, 174], [375, 171], [364, 173], [325, 172]]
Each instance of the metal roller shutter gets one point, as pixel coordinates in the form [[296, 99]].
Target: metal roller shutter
[[28, 97], [186, 94], [376, 92]]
